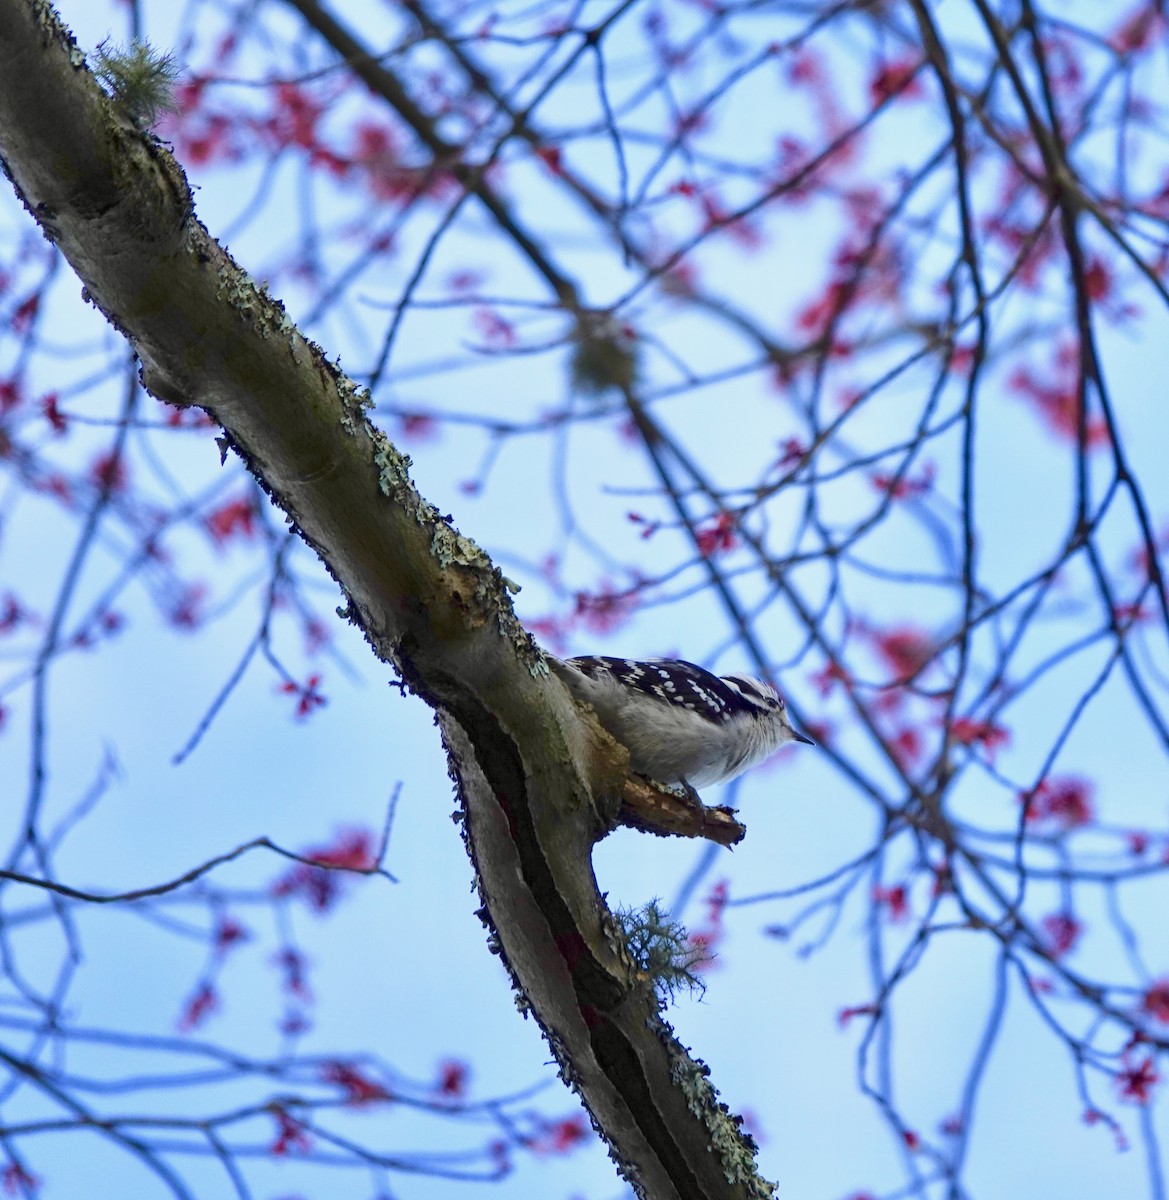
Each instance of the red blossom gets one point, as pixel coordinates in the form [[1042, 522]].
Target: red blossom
[[359, 1090], [1143, 557], [236, 518], [903, 487], [954, 1125], [291, 1135], [1155, 1001], [962, 359], [551, 631], [1097, 279], [604, 611], [911, 1139], [892, 78], [352, 850], [717, 536], [806, 67], [1139, 30], [648, 527], [453, 1076], [294, 1024], [1135, 1081], [309, 697], [500, 1157], [552, 158], [792, 156], [377, 150], [906, 746], [895, 899], [10, 395], [792, 452], [186, 612], [55, 417], [228, 933], [849, 397], [419, 426], [198, 1008], [816, 316], [1131, 613], [12, 613], [1065, 69], [559, 1137], [185, 418], [716, 216], [943, 873], [716, 901], [188, 94], [56, 485], [207, 138], [497, 331], [318, 880], [1093, 1116], [828, 677], [1065, 801], [970, 732], [693, 121], [295, 969], [845, 1015], [1056, 395], [108, 472], [295, 117], [866, 206], [465, 281], [905, 649], [1061, 932], [23, 314], [1138, 842], [703, 942], [316, 635], [17, 1181]]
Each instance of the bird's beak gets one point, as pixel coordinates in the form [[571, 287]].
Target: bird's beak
[[799, 737]]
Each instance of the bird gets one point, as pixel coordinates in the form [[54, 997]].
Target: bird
[[680, 723]]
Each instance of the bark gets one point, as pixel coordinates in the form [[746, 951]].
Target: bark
[[537, 784]]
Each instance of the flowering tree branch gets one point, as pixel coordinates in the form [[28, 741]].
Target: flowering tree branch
[[537, 786]]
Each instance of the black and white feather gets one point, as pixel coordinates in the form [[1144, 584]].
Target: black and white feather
[[680, 723]]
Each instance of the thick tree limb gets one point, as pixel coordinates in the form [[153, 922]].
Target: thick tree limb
[[538, 785]]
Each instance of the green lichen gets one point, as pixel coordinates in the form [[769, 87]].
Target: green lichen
[[451, 548], [735, 1149], [237, 288], [356, 401], [393, 467]]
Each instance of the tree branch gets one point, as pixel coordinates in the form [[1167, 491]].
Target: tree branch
[[538, 785]]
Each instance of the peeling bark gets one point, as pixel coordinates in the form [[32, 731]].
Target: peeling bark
[[538, 784]]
